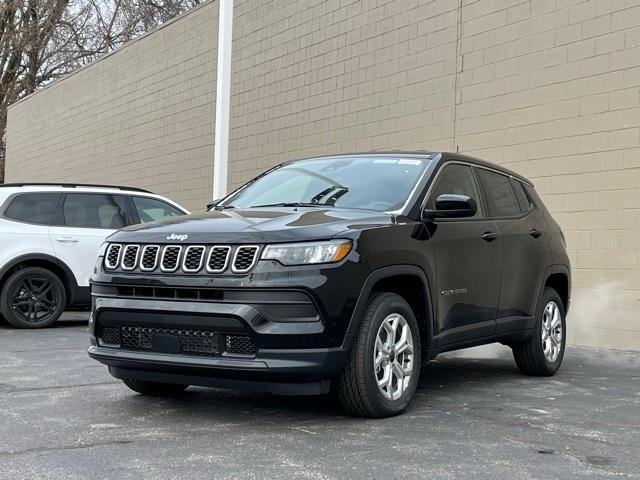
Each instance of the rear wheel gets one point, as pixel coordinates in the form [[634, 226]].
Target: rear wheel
[[381, 374], [542, 354], [154, 388], [33, 297]]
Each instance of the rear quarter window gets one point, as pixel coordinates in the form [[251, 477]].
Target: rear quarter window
[[35, 208], [501, 197]]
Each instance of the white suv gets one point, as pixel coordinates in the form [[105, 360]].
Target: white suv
[[49, 239]]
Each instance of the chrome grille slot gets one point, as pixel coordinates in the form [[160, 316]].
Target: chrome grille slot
[[245, 258], [130, 257], [218, 260], [112, 258], [149, 261], [193, 258], [170, 258]]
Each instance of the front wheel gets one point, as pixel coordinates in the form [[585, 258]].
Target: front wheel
[[542, 354], [381, 373], [33, 297]]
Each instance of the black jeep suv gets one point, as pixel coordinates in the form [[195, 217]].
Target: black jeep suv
[[345, 271]]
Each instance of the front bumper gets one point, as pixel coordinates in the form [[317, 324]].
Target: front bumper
[[288, 372], [274, 366]]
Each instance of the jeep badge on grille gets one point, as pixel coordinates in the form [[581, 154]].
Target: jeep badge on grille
[[181, 238]]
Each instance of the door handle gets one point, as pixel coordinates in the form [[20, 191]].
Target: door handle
[[535, 233], [489, 236], [66, 240]]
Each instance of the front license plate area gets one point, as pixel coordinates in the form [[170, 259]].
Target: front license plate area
[[165, 344]]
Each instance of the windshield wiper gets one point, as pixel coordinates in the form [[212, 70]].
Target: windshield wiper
[[293, 204], [223, 207]]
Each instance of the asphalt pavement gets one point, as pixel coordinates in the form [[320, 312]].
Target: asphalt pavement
[[475, 416]]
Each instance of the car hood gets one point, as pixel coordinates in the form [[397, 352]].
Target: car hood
[[257, 225]]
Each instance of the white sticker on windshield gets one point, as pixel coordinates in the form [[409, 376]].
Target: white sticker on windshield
[[385, 160], [408, 161]]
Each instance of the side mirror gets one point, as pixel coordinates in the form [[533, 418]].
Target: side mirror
[[452, 206], [213, 203]]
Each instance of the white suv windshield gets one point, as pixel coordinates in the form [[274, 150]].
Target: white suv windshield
[[380, 183]]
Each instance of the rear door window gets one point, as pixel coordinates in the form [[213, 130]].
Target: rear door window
[[36, 208], [94, 210], [152, 209], [501, 197]]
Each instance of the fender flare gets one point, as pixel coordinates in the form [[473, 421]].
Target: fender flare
[[551, 270], [69, 278], [365, 292]]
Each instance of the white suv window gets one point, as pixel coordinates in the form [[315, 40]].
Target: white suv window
[[94, 210], [150, 209], [36, 208]]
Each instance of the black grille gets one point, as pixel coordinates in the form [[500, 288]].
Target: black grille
[[244, 259], [192, 342], [110, 336], [193, 259], [239, 345], [149, 257], [113, 255], [170, 258], [130, 257], [218, 257]]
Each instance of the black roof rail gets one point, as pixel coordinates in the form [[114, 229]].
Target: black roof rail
[[73, 185]]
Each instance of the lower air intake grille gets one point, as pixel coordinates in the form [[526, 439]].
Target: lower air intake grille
[[239, 345], [110, 336], [192, 342]]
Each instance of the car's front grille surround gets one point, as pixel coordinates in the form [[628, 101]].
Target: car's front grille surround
[[170, 260], [149, 258], [112, 256], [182, 259], [218, 258], [193, 258], [244, 258], [130, 257]]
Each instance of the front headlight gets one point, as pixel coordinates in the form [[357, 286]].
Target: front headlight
[[329, 251]]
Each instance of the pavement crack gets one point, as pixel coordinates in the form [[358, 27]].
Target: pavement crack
[[53, 387], [64, 448]]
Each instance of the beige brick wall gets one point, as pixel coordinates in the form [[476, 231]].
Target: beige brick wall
[[550, 88], [136, 117]]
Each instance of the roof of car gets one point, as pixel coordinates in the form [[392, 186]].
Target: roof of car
[[73, 185], [427, 155]]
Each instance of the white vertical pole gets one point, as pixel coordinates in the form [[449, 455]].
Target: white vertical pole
[[223, 99]]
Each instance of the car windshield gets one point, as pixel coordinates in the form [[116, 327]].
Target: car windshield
[[381, 183]]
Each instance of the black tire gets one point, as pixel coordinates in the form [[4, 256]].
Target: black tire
[[357, 386], [530, 355], [33, 297], [155, 389]]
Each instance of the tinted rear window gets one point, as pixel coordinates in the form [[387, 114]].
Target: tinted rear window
[[92, 210], [37, 208], [524, 200], [501, 198]]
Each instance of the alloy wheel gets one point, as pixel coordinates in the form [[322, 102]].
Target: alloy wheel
[[393, 356], [35, 299], [551, 332]]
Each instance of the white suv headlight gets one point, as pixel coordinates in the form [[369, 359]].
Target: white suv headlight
[[329, 251]]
